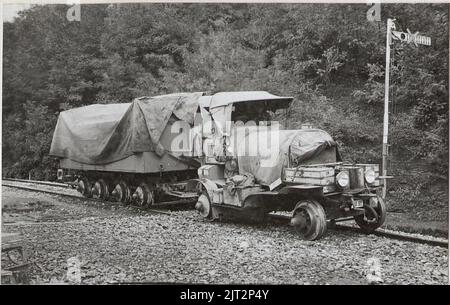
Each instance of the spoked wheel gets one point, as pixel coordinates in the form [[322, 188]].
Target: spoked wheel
[[203, 206], [121, 192], [100, 190], [309, 219], [84, 187], [374, 215], [143, 196]]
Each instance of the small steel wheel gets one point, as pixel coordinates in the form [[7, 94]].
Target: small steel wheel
[[100, 190], [143, 196], [374, 215], [84, 187], [121, 193], [203, 206], [309, 219]]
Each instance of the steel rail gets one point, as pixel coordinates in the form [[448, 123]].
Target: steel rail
[[103, 202], [38, 182], [413, 237], [379, 232]]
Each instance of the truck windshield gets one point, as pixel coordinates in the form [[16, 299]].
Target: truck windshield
[[251, 111]]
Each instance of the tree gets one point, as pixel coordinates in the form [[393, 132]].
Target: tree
[[328, 56]]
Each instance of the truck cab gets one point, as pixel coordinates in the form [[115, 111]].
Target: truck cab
[[252, 166]]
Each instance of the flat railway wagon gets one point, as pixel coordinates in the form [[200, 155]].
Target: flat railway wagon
[[221, 151], [124, 152]]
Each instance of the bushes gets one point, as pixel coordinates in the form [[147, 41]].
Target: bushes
[[28, 141], [329, 57]]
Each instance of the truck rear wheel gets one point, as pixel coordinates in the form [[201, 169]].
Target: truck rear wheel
[[203, 206], [309, 219], [373, 217]]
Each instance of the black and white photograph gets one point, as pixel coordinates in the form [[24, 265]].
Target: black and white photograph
[[224, 147]]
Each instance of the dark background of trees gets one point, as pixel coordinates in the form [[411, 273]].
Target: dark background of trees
[[328, 56]]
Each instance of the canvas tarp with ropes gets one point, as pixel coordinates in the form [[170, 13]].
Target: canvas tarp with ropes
[[264, 154], [104, 133]]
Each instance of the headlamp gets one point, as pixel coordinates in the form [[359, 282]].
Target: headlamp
[[342, 179], [370, 176]]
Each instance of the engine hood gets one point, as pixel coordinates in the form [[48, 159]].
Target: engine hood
[[264, 153]]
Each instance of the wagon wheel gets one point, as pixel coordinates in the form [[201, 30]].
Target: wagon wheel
[[122, 192], [84, 187], [309, 219], [143, 196], [203, 206], [373, 217], [100, 190]]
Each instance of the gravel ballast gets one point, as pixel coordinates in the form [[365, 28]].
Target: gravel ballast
[[121, 244]]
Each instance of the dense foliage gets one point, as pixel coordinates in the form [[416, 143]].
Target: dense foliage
[[329, 57]]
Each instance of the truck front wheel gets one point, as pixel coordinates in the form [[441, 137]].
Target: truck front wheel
[[309, 219], [373, 217]]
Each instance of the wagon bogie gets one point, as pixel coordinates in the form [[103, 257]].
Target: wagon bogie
[[143, 196], [100, 190], [121, 192], [84, 186], [142, 190]]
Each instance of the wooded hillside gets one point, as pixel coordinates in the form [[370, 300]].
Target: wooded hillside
[[329, 57]]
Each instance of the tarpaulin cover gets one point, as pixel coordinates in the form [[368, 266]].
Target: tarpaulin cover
[[264, 154], [101, 134]]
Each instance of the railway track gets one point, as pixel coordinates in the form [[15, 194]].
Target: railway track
[[417, 238], [37, 182], [76, 195]]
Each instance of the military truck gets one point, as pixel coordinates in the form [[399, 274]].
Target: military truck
[[252, 167]]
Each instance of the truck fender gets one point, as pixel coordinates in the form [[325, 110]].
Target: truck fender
[[207, 184]]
